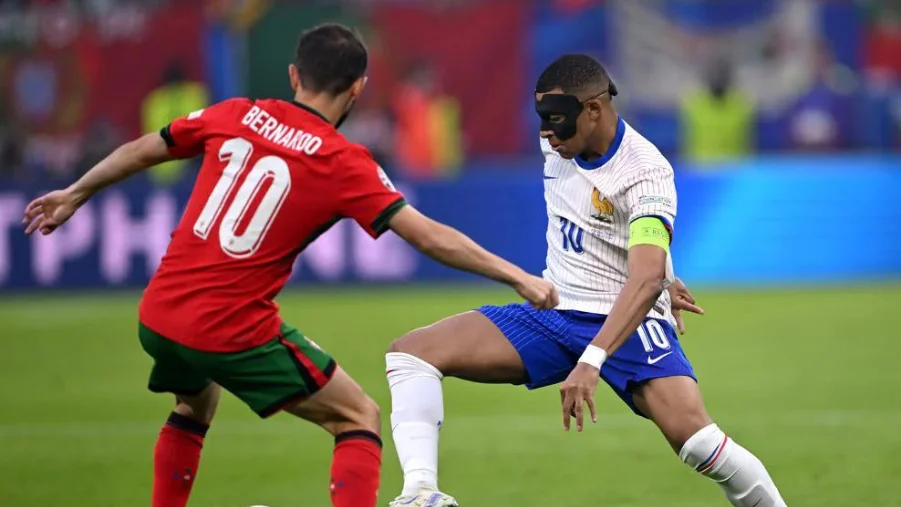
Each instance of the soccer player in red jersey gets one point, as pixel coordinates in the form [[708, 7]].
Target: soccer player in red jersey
[[275, 175]]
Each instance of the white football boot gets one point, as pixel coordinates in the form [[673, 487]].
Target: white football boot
[[425, 499]]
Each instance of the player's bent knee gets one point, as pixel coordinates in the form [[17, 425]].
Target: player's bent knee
[[407, 344], [371, 416], [365, 415], [185, 410], [339, 407], [397, 346], [417, 344], [675, 406], [427, 345], [678, 437], [201, 407], [685, 424]]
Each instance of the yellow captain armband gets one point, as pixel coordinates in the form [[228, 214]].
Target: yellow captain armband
[[649, 231]]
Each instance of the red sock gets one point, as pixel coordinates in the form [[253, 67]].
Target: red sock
[[356, 468], [175, 460]]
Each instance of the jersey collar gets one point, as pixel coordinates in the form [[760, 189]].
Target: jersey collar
[[310, 110], [611, 151]]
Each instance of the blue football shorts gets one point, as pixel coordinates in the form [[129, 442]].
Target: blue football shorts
[[551, 341]]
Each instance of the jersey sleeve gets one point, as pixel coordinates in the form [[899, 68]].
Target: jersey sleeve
[[366, 194], [651, 192], [187, 135]]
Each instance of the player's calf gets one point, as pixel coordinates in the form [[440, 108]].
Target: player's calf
[[675, 405], [415, 366], [340, 406], [200, 408], [417, 411], [177, 452], [344, 410]]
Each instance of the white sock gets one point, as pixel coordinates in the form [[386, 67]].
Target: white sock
[[738, 472], [417, 411]]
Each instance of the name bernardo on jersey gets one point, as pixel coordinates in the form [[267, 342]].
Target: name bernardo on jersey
[[276, 132]]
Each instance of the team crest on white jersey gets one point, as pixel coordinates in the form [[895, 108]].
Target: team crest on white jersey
[[602, 206]]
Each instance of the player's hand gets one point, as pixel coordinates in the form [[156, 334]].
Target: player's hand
[[577, 391], [537, 291], [48, 212], [682, 300]]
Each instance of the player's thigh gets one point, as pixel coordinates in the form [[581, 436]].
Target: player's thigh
[[467, 346], [652, 352], [339, 407], [273, 375], [675, 405], [171, 373]]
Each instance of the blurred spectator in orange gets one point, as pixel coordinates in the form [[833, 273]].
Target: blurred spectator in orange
[[427, 141], [717, 122]]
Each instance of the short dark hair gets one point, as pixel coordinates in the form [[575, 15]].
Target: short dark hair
[[330, 58], [575, 73]]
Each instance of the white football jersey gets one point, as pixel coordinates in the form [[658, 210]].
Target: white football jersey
[[589, 208]]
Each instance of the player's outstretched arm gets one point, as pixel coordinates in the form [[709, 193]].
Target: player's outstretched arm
[[453, 248], [48, 212], [128, 159]]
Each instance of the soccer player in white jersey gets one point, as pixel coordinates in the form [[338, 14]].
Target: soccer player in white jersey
[[611, 206]]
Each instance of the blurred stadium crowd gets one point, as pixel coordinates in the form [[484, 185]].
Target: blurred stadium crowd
[[451, 80]]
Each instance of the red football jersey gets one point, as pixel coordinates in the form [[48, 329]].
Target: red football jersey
[[275, 176]]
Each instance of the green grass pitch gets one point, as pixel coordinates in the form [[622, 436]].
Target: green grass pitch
[[807, 379]]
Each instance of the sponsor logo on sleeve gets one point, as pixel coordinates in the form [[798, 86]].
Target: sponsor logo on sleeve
[[385, 179], [647, 200]]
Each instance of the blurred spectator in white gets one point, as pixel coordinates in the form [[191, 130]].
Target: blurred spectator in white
[[821, 118], [717, 122]]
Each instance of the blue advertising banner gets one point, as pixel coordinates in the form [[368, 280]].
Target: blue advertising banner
[[761, 221]]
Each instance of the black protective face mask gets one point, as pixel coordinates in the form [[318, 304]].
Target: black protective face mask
[[569, 107]]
